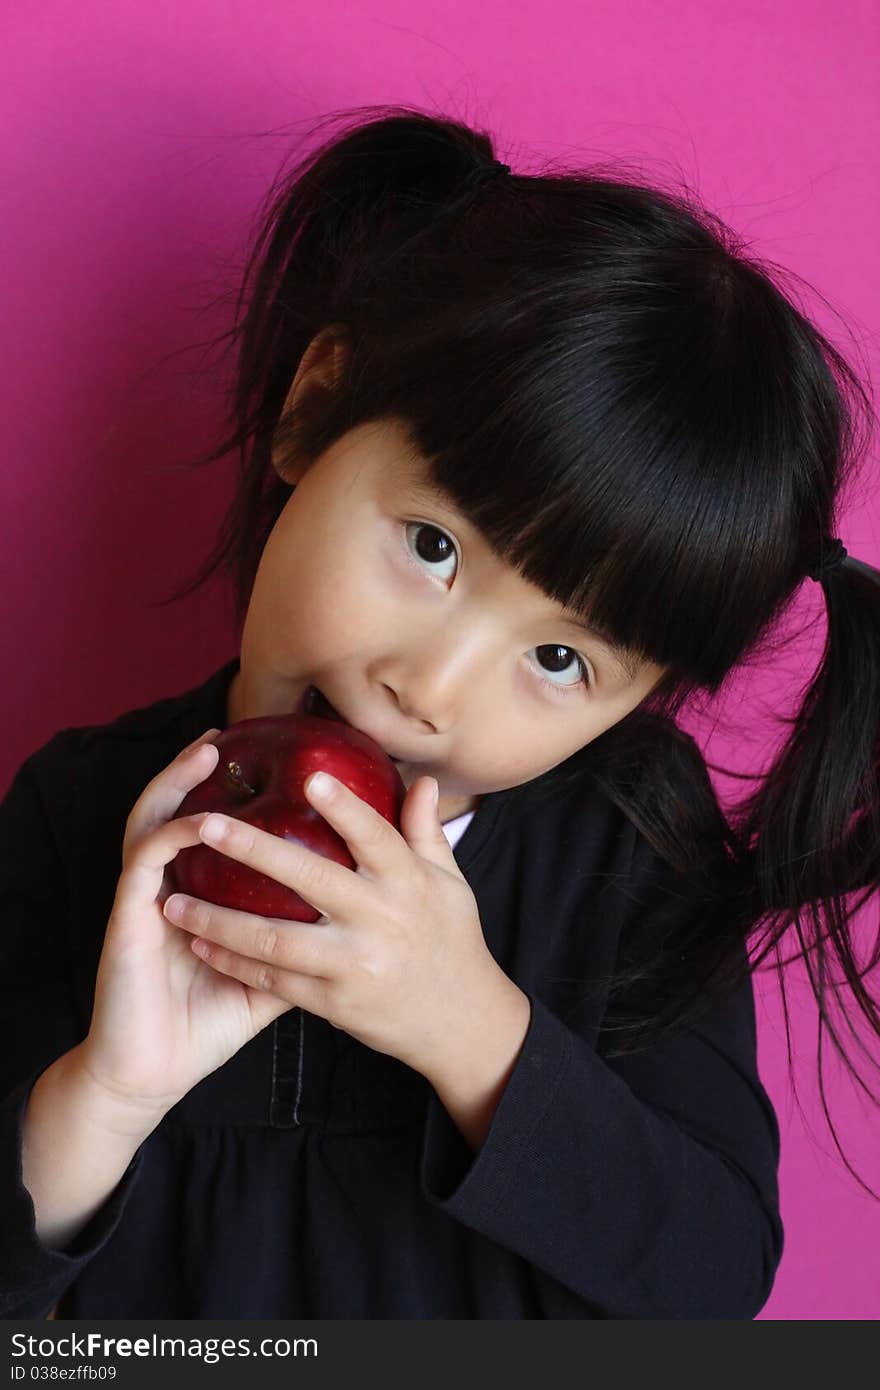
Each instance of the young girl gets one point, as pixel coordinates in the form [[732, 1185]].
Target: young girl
[[527, 463]]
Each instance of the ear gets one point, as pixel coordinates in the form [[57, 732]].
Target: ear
[[321, 367]]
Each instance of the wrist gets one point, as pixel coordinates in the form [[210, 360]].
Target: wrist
[[470, 1081], [114, 1113]]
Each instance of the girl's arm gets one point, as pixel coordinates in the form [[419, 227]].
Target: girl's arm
[[643, 1191], [43, 1123], [75, 1147], [642, 1186]]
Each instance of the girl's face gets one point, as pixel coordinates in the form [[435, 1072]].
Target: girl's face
[[377, 591]]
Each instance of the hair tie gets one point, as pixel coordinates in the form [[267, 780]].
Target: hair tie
[[829, 559], [484, 173]]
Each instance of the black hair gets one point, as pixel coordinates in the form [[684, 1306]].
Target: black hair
[[639, 419]]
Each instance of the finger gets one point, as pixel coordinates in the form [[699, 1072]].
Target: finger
[[141, 879], [422, 828], [197, 742], [372, 840], [309, 992], [329, 887], [274, 941], [162, 796]]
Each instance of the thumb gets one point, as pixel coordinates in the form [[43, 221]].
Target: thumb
[[421, 824]]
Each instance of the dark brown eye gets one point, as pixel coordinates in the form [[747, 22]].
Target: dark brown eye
[[559, 660], [430, 545], [559, 657]]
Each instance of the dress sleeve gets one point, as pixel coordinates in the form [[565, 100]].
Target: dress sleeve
[[639, 1187], [38, 1024]]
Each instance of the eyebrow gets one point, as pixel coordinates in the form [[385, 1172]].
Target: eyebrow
[[622, 657]]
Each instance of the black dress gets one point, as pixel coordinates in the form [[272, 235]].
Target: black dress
[[311, 1176]]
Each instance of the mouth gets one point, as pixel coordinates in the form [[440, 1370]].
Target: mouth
[[316, 704]]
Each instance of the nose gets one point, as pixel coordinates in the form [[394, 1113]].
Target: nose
[[431, 682], [427, 707], [409, 713]]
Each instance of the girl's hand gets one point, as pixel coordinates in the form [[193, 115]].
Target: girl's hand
[[161, 1019], [398, 959]]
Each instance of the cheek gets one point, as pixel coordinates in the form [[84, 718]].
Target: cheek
[[513, 750], [339, 605], [536, 742]]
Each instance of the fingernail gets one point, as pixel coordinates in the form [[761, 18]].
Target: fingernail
[[215, 829], [320, 785], [198, 742]]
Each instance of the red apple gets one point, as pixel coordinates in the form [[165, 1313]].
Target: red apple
[[259, 779]]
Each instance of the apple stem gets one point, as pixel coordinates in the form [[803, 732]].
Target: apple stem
[[236, 776]]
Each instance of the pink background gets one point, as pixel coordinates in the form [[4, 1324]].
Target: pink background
[[136, 143]]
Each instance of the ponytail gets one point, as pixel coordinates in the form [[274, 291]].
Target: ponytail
[[812, 828]]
